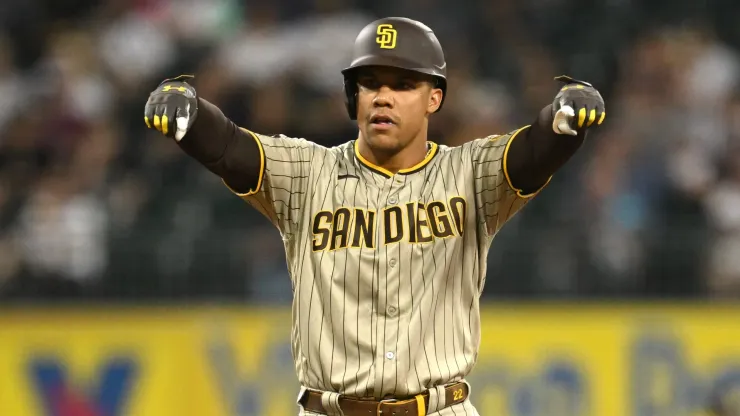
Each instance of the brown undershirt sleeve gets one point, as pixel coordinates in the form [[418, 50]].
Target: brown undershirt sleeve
[[222, 147], [536, 155]]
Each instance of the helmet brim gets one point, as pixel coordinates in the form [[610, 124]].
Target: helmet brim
[[393, 62]]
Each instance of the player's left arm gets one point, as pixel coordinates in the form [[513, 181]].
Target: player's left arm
[[560, 129], [510, 169]]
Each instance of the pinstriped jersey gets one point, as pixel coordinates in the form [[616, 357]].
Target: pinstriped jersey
[[386, 269]]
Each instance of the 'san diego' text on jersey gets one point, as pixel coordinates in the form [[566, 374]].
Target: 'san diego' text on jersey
[[414, 222]]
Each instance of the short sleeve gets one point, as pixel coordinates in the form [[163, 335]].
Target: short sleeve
[[497, 200], [284, 178]]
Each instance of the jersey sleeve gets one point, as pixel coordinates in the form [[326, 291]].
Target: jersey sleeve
[[284, 178], [496, 199]]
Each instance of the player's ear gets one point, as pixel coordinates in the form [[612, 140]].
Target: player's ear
[[435, 100]]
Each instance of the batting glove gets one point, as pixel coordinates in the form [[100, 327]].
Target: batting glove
[[172, 107], [577, 107]]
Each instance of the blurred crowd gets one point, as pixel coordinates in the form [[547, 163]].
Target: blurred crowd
[[94, 206]]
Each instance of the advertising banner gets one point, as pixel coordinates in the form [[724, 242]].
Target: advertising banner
[[534, 361]]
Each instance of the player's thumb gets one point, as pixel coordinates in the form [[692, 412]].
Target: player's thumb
[[183, 122], [563, 120]]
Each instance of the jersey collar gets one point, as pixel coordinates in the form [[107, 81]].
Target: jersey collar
[[433, 148]]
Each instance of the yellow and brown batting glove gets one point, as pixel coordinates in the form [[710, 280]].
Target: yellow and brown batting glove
[[577, 106], [172, 107]]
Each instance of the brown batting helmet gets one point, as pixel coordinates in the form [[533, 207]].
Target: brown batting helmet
[[396, 42]]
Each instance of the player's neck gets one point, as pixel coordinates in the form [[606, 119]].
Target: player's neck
[[410, 156]]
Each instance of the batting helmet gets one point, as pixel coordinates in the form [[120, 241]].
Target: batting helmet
[[396, 42]]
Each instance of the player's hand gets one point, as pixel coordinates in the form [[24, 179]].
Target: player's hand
[[172, 107], [577, 106]]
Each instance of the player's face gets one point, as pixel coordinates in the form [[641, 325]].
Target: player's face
[[393, 106]]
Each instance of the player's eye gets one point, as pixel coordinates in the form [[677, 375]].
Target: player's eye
[[408, 85], [369, 83], [404, 85]]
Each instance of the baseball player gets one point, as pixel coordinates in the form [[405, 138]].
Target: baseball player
[[386, 236]]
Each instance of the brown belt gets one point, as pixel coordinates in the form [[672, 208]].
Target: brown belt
[[454, 393]]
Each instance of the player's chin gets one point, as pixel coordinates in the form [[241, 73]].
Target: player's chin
[[385, 140]]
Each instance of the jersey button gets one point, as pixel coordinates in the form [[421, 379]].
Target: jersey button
[[392, 263], [392, 310], [390, 355], [392, 200]]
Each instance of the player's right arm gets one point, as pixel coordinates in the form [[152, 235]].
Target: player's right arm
[[271, 173]]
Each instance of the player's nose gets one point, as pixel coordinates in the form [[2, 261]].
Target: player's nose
[[384, 97]]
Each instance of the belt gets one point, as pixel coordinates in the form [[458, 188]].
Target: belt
[[413, 406]]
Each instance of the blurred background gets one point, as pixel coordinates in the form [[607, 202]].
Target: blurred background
[[137, 240], [94, 205]]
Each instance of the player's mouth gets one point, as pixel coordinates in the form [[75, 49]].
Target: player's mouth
[[382, 122]]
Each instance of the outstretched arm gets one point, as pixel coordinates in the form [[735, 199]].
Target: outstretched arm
[[271, 173], [204, 133], [510, 169], [539, 150]]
